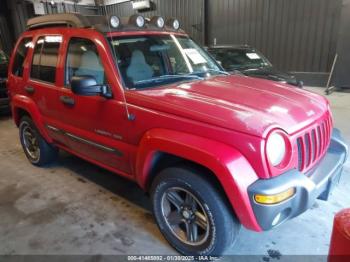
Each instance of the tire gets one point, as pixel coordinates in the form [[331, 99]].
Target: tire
[[211, 238], [36, 149]]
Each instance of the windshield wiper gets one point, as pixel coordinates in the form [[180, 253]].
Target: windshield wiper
[[167, 77], [216, 71]]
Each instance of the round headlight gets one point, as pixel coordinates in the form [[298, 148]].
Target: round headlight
[[176, 24], [140, 21], [114, 21], [173, 23], [158, 21], [275, 149], [137, 20]]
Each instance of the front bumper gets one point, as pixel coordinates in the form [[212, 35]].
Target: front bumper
[[316, 184]]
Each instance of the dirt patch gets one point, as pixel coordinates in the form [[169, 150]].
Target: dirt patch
[[47, 215], [8, 197], [126, 241], [81, 180], [274, 254]]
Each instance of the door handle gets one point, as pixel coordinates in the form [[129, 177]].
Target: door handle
[[67, 100], [29, 89]]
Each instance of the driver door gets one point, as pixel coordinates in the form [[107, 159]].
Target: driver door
[[93, 125]]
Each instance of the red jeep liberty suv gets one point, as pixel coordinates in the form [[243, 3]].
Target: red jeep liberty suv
[[138, 97]]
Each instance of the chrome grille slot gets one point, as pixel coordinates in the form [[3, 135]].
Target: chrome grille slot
[[313, 144], [307, 149], [300, 154]]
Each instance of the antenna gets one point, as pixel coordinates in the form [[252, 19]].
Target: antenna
[[131, 117]]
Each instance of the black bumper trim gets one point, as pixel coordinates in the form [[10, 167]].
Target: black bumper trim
[[316, 184]]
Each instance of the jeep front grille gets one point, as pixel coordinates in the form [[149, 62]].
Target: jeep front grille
[[313, 144]]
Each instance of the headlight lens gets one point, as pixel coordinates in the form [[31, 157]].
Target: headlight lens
[[275, 149], [173, 23], [140, 21], [114, 21], [160, 22]]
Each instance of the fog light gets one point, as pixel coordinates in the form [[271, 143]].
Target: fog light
[[276, 220], [274, 199]]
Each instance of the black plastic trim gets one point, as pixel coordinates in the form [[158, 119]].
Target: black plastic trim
[[85, 141]]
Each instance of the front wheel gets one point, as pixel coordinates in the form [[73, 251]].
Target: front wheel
[[192, 214]]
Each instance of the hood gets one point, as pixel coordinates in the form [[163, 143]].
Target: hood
[[271, 73], [239, 103]]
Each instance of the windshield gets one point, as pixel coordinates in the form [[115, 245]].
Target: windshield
[[3, 57], [239, 59], [154, 60]]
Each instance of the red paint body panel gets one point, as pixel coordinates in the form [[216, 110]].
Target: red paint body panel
[[340, 241], [221, 159], [221, 123]]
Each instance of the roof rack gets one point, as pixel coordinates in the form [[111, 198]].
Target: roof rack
[[69, 20], [98, 22]]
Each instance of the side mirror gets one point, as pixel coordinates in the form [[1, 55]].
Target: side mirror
[[87, 86]]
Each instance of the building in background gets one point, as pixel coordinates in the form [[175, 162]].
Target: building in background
[[298, 36]]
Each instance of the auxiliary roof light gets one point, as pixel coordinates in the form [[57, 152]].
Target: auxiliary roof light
[[173, 23], [158, 21], [114, 21], [137, 20]]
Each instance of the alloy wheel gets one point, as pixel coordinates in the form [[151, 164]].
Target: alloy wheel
[[185, 216], [31, 143]]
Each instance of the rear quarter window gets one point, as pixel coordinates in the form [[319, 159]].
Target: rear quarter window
[[20, 56]]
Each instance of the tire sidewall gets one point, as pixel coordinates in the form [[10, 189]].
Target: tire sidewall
[[209, 244], [25, 121]]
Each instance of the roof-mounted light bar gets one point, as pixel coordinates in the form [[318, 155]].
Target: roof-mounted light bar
[[114, 21], [102, 23], [173, 23], [157, 21], [137, 20]]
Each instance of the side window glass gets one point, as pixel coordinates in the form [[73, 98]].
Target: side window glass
[[21, 53], [45, 58], [83, 59], [35, 70]]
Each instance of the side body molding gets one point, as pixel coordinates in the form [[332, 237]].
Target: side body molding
[[230, 167], [21, 102]]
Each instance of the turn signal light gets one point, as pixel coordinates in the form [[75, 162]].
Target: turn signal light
[[274, 199]]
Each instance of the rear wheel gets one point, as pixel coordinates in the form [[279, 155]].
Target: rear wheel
[[192, 214], [37, 150]]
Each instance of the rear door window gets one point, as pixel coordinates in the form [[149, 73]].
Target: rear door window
[[21, 53], [45, 58]]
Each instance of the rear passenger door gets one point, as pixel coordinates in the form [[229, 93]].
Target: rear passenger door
[[41, 86]]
